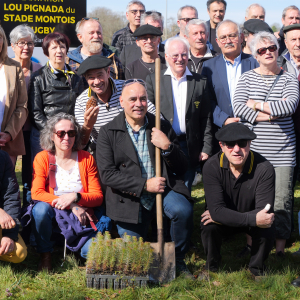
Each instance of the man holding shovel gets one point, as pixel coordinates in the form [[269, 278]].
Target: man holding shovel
[[126, 160]]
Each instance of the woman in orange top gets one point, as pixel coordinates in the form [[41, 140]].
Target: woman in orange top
[[76, 182]]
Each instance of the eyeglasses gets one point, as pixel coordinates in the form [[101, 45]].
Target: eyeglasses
[[86, 19], [149, 12], [135, 11], [176, 56], [231, 36], [263, 50], [61, 133], [23, 44], [186, 20], [131, 81], [146, 38], [240, 143]]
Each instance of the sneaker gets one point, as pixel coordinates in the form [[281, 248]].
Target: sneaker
[[181, 269], [197, 179], [245, 251]]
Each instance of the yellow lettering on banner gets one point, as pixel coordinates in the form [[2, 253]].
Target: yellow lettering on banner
[[42, 30], [17, 19], [26, 7], [39, 19], [13, 7]]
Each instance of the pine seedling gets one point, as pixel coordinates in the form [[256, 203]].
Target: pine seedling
[[120, 253], [90, 263], [128, 258], [147, 257], [113, 257], [98, 251], [140, 256], [134, 255], [106, 255], [107, 236]]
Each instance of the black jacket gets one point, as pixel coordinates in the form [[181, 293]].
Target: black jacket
[[9, 193], [198, 68], [281, 42], [198, 111], [49, 96], [122, 38], [120, 170]]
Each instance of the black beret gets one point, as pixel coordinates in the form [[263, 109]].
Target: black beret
[[93, 62], [256, 25], [291, 27], [234, 132], [147, 29]]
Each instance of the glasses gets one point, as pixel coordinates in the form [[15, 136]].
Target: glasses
[[144, 39], [86, 19], [176, 56], [131, 81], [149, 12], [135, 11], [263, 50], [240, 143], [61, 133], [232, 36], [186, 20], [23, 44]]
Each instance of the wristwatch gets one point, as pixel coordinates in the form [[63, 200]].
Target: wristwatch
[[78, 198], [170, 148]]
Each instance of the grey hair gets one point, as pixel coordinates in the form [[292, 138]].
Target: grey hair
[[20, 32], [79, 23], [47, 132], [225, 22], [179, 13], [262, 37], [291, 7], [195, 22], [251, 6], [132, 3], [153, 16]]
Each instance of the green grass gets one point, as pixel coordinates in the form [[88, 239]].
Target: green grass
[[233, 282]]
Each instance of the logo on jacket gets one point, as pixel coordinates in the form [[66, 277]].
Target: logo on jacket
[[197, 103]]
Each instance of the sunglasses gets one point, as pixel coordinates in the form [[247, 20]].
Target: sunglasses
[[131, 81], [61, 133], [86, 19], [263, 50], [135, 11], [240, 143], [149, 12]]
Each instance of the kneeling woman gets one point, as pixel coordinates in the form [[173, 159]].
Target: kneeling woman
[[73, 184]]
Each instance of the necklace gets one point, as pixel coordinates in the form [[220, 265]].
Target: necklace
[[265, 79], [149, 69]]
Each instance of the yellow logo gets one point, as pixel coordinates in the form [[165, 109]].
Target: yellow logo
[[197, 103]]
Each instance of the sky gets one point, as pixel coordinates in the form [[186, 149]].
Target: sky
[[235, 8]]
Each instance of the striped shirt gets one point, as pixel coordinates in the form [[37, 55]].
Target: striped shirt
[[275, 140], [106, 114]]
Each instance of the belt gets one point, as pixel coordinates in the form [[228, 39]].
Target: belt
[[181, 137]]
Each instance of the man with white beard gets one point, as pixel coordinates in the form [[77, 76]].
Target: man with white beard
[[89, 33]]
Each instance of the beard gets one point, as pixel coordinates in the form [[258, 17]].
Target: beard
[[95, 46]]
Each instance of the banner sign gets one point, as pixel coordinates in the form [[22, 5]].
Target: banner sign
[[44, 16]]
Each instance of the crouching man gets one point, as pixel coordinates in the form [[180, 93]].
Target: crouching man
[[125, 157], [12, 247], [238, 184]]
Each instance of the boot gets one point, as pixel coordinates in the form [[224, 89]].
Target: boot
[[45, 262]]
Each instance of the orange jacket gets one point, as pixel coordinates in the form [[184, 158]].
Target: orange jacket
[[41, 190]]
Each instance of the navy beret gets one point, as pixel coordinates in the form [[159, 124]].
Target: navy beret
[[256, 25], [234, 132], [93, 62], [147, 29]]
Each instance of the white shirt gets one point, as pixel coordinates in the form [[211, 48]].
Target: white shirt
[[179, 90], [3, 92]]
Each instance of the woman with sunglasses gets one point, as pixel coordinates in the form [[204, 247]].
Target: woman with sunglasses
[[54, 88], [73, 186], [265, 99]]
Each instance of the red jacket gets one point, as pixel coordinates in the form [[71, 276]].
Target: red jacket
[[41, 191]]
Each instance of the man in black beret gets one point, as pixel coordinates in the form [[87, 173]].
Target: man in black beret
[[252, 27], [239, 184], [106, 92], [148, 39]]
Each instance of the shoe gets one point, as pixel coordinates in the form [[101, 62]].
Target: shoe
[[197, 179], [45, 262], [181, 269], [245, 251], [296, 282], [297, 253], [280, 254]]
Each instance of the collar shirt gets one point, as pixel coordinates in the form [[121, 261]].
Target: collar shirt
[[290, 59], [139, 140], [234, 72], [179, 90]]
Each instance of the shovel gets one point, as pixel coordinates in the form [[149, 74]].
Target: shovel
[[163, 266]]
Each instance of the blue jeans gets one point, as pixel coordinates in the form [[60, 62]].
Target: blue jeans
[[35, 143], [190, 173], [43, 216], [179, 210]]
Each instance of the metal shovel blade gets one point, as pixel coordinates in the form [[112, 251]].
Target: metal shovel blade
[[163, 267]]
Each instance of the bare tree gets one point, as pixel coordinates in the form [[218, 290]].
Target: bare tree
[[172, 28], [111, 21]]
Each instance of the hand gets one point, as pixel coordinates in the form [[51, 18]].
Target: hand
[[63, 201], [207, 218], [4, 138], [90, 117], [81, 214], [6, 221], [156, 185], [159, 139], [264, 219], [250, 103], [203, 156], [7, 245], [231, 120], [277, 34]]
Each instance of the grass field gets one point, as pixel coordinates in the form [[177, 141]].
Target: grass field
[[233, 282]]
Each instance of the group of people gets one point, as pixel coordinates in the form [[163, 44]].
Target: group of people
[[85, 126]]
